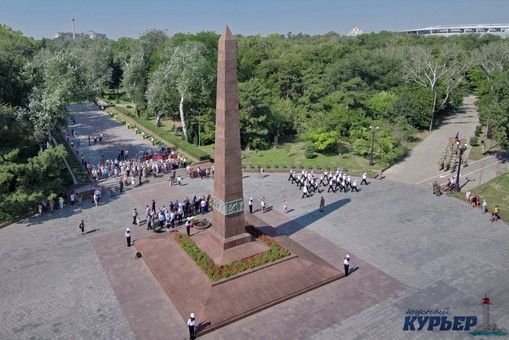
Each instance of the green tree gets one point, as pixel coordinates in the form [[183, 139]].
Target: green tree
[[439, 70], [255, 115], [15, 51], [57, 79], [134, 80], [191, 74]]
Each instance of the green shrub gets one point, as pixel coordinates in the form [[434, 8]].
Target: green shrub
[[478, 130], [474, 141], [309, 151]]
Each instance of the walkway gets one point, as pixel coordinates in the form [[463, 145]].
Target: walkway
[[409, 249], [421, 166]]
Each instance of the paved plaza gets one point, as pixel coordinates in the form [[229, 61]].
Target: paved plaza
[[409, 250]]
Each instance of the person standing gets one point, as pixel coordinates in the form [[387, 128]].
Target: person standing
[[190, 323], [188, 226], [61, 202], [285, 206], [128, 237], [82, 227], [73, 198], [346, 264], [264, 205], [149, 222], [322, 203], [484, 207], [250, 203], [135, 216], [153, 205]]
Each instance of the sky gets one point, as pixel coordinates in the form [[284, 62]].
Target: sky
[[130, 18]]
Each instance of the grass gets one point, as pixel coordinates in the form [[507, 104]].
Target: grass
[[293, 153], [496, 192], [476, 151]]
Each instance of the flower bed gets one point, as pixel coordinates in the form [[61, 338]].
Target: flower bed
[[215, 272]]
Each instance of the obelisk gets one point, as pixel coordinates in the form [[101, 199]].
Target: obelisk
[[228, 229]]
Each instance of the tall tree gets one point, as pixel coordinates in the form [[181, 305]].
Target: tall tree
[[15, 51], [439, 70], [57, 79], [255, 115], [188, 70], [134, 78]]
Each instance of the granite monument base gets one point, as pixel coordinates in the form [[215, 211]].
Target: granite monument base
[[220, 303]]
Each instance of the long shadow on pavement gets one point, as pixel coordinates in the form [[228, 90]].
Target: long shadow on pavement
[[293, 226]]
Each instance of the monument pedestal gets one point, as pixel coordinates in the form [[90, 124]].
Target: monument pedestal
[[230, 242], [243, 245], [220, 303]]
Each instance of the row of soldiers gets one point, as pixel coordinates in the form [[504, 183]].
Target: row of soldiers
[[307, 182], [449, 157]]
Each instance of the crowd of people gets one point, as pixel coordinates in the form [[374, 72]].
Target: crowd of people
[[172, 215]]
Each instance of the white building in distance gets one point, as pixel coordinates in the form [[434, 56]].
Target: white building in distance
[[88, 34], [355, 31]]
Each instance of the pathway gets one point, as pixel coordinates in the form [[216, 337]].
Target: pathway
[[421, 166]]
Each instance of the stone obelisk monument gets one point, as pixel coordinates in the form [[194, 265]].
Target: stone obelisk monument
[[228, 228]]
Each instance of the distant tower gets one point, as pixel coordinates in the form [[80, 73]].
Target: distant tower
[[73, 30], [485, 312], [485, 328]]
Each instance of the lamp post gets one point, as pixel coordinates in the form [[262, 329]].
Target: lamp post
[[373, 130], [199, 126], [457, 183]]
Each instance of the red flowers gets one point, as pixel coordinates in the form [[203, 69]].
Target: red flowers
[[215, 272]]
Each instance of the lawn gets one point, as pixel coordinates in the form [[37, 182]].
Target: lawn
[[496, 192], [292, 153], [476, 151]]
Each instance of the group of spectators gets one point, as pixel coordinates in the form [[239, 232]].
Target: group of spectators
[[173, 214]]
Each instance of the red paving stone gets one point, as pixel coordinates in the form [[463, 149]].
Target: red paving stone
[[220, 303]]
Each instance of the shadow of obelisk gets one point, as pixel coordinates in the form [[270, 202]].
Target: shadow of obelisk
[[228, 229]]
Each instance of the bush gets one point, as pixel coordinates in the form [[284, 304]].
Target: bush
[[309, 151], [474, 141], [478, 130]]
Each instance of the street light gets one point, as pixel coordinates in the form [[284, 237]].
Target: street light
[[373, 130], [199, 126], [457, 183]]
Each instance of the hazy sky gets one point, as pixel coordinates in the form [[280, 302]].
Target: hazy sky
[[119, 18]]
